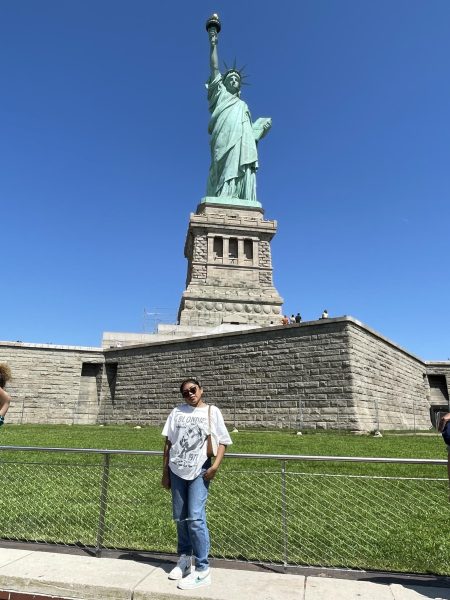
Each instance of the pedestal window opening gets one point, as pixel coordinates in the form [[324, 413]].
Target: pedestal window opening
[[218, 249], [233, 250]]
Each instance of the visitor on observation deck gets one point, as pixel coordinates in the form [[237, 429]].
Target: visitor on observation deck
[[5, 399], [324, 314], [195, 432]]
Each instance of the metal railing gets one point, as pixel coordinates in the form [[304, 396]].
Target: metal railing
[[328, 511]]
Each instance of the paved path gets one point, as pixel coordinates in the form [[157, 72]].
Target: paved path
[[34, 575]]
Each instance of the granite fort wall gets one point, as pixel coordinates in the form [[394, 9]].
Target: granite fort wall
[[258, 377], [390, 385], [48, 386], [334, 373]]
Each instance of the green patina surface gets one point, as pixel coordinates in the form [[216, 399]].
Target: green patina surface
[[229, 201], [234, 137]]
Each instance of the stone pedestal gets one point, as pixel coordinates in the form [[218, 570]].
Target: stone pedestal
[[229, 277]]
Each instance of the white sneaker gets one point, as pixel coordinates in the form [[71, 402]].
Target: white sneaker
[[182, 568], [195, 580]]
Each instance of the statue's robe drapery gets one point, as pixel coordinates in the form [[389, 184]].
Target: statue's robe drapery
[[234, 157]]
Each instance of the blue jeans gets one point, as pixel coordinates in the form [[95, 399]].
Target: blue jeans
[[189, 512]]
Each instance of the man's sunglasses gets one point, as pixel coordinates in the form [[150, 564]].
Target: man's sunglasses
[[191, 390]]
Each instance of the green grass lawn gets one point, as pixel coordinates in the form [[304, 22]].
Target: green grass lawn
[[315, 513], [261, 442], [328, 444]]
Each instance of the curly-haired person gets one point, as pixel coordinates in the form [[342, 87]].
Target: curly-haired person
[[5, 399]]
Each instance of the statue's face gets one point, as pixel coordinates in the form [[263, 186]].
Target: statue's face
[[233, 83]]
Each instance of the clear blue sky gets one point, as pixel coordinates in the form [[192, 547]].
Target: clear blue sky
[[104, 153]]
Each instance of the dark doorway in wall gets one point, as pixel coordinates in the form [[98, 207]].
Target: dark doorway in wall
[[90, 369], [86, 409], [111, 376], [438, 397], [438, 389]]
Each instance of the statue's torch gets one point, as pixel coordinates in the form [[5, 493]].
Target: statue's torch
[[213, 25]]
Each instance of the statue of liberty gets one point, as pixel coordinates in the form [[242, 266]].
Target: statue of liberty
[[234, 138]]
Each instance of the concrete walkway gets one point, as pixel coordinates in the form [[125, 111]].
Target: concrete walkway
[[36, 575]]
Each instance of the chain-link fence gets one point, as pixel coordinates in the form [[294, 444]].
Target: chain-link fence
[[366, 513]]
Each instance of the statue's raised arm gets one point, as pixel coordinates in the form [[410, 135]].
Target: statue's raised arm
[[213, 28], [234, 156]]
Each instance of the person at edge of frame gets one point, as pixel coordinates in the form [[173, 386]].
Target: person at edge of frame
[[5, 399], [442, 422], [188, 472]]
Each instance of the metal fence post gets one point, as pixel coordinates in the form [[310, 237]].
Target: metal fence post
[[300, 415], [284, 514], [377, 414], [103, 505], [23, 410]]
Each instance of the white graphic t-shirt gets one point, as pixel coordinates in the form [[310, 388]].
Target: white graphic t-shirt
[[187, 429]]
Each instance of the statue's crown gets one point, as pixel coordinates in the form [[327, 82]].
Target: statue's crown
[[234, 69]]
